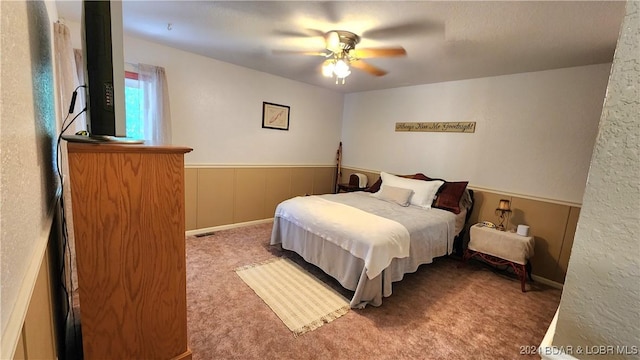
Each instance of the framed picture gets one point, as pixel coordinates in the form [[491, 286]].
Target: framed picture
[[275, 116]]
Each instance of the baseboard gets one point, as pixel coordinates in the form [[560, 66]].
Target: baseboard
[[546, 350], [184, 356], [546, 281], [226, 227]]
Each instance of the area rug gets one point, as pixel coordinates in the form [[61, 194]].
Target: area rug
[[301, 301]]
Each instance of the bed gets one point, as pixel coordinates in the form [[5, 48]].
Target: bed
[[367, 240]]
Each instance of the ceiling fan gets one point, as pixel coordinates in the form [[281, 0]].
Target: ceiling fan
[[341, 54]]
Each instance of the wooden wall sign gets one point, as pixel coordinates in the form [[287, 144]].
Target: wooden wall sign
[[463, 127]]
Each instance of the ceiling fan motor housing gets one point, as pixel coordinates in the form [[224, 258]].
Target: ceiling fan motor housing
[[342, 54], [348, 40]]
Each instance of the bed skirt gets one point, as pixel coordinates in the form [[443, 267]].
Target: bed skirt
[[347, 269]]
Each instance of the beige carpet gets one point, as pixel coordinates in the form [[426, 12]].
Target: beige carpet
[[301, 301], [441, 311]]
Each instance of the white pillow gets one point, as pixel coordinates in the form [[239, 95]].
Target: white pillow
[[395, 195], [423, 191]]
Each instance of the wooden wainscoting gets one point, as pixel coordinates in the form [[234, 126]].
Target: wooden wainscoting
[[224, 195], [38, 336], [552, 223]]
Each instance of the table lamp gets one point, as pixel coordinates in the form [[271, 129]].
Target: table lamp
[[503, 211]]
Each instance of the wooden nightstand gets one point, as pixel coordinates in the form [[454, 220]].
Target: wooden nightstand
[[502, 248]]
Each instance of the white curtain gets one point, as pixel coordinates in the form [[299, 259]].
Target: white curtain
[[154, 104], [80, 73], [67, 77], [67, 83]]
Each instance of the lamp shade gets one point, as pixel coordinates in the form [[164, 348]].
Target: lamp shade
[[504, 205]]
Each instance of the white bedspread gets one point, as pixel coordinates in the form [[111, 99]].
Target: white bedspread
[[372, 238]]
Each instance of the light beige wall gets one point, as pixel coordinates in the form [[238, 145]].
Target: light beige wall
[[600, 304], [216, 196], [27, 139], [29, 183], [552, 224]]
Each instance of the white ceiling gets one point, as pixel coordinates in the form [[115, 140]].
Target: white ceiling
[[445, 40]]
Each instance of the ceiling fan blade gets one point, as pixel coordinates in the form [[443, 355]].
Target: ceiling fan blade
[[315, 32], [375, 53], [403, 30], [304, 33], [300, 52], [364, 66]]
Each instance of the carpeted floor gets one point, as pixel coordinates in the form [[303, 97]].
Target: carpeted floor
[[442, 311]]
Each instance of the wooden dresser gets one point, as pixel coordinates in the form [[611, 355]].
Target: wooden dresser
[[129, 222]]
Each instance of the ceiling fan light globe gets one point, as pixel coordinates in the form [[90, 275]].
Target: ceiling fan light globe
[[341, 69], [343, 76], [327, 68]]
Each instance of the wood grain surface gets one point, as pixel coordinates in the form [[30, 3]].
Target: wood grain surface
[[128, 209]]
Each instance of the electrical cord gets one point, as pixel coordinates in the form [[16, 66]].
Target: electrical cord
[[66, 246]]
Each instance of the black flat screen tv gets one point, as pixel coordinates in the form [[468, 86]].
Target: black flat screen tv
[[104, 67]]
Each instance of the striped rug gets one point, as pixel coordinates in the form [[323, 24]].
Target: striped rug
[[301, 301]]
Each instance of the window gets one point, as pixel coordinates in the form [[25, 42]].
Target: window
[[147, 113], [132, 95]]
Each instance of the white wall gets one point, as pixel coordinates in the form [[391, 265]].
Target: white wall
[[27, 137], [534, 131], [601, 300], [534, 136], [216, 108]]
